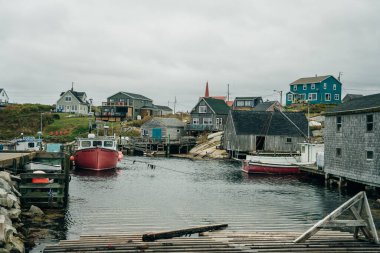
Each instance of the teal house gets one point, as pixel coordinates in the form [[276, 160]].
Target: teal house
[[315, 90]]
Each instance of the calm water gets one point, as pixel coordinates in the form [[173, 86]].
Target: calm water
[[179, 193]]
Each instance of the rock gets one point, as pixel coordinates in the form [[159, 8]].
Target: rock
[[14, 199], [378, 201], [6, 202], [6, 176], [15, 245], [36, 211], [5, 185], [3, 193], [16, 192], [14, 213]]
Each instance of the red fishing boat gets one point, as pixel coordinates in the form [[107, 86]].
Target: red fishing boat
[[96, 153], [270, 165]]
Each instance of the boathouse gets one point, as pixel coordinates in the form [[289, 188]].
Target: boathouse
[[251, 132], [163, 128], [209, 114], [73, 102], [352, 140]]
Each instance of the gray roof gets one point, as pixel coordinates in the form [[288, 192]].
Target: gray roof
[[349, 97], [168, 122], [217, 105], [262, 107], [269, 123], [361, 104], [78, 95], [135, 96], [163, 107], [305, 80], [246, 98]]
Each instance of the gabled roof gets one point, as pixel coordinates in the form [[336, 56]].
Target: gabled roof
[[246, 98], [133, 95], [163, 107], [217, 105], [264, 106], [1, 89], [349, 97], [269, 123], [168, 122], [77, 94], [361, 104], [316, 79]]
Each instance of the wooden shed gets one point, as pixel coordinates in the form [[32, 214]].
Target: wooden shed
[[163, 128], [251, 132]]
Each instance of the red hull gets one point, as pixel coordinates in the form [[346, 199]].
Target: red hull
[[252, 167], [96, 158]]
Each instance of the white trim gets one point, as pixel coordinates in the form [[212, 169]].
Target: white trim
[[329, 94]]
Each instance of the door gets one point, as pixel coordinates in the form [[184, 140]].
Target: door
[[260, 143], [156, 133]]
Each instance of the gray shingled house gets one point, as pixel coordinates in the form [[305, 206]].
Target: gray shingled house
[[159, 128], [209, 114], [352, 140], [250, 132], [246, 103], [73, 102]]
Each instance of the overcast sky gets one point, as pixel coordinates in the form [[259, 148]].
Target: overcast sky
[[167, 49]]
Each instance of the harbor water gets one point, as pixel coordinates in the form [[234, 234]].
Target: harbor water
[[153, 194]]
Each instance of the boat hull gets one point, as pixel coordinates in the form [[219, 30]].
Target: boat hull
[[268, 168], [96, 159]]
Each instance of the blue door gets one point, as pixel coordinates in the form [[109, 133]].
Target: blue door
[[156, 133]]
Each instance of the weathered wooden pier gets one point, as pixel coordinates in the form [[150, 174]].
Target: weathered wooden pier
[[319, 238]]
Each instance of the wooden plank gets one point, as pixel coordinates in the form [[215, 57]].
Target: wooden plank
[[370, 220], [42, 186], [345, 223], [175, 233], [42, 175]]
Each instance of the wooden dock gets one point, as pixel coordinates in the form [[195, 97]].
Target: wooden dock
[[218, 241], [15, 160]]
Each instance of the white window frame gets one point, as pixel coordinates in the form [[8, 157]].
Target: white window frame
[[304, 87], [290, 97], [324, 86], [195, 121], [202, 109], [312, 86], [326, 95], [334, 86], [312, 96], [240, 103], [219, 121], [68, 99], [295, 87], [366, 155], [336, 96], [207, 121]]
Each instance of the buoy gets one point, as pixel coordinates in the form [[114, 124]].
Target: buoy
[[40, 180], [120, 156], [72, 158]]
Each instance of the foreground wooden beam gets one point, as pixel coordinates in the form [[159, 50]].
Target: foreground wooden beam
[[150, 237]]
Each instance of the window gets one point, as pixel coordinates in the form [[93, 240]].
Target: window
[[86, 144], [97, 143], [195, 121], [239, 103], [312, 96], [108, 143], [338, 152], [219, 121], [31, 145], [202, 109], [369, 122], [207, 121], [288, 140], [248, 103], [304, 86], [325, 86], [294, 87], [67, 98], [369, 155], [336, 96], [145, 132], [334, 86], [339, 123], [303, 149], [313, 86], [328, 97], [290, 97], [178, 130]]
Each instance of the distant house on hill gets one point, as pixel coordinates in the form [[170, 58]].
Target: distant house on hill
[[163, 128], [315, 90], [352, 140], [350, 97], [246, 103], [162, 110], [249, 132], [209, 114], [268, 106], [73, 102], [4, 99]]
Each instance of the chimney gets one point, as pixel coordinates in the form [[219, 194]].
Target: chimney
[[207, 92]]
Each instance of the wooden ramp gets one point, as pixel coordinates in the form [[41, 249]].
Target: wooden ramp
[[219, 241]]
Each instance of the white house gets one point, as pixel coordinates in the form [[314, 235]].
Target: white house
[[73, 102], [4, 99]]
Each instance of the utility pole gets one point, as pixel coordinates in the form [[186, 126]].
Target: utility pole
[[279, 92], [340, 75], [228, 92], [175, 102]]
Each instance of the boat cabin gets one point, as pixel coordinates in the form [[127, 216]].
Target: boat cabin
[[97, 142]]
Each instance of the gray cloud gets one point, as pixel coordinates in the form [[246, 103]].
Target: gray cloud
[[164, 49]]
